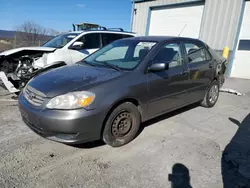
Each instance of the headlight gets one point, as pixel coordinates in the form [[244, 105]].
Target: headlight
[[72, 100]]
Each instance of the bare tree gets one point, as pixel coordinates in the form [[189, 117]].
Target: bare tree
[[52, 32], [31, 33]]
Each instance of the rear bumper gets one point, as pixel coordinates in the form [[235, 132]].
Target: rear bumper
[[66, 126]]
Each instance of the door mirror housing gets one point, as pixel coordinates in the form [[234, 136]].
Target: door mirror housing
[[78, 45], [157, 67]]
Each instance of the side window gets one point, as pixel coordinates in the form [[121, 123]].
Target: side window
[[170, 53], [142, 49], [91, 41], [196, 53], [107, 38], [138, 49]]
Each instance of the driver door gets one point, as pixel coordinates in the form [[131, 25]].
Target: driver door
[[167, 89], [91, 43]]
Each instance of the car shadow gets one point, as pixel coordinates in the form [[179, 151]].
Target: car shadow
[[180, 177], [235, 161], [90, 145], [166, 116]]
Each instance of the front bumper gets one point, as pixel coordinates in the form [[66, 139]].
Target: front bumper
[[66, 126]]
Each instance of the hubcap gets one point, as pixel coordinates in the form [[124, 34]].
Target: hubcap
[[213, 94], [122, 124]]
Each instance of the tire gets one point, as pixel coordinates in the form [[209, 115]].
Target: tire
[[122, 125], [212, 95]]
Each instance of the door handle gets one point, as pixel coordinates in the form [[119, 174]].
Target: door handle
[[211, 65], [185, 72]]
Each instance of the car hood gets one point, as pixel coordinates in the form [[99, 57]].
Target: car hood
[[16, 50], [71, 78]]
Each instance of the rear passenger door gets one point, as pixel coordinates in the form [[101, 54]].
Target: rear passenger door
[[201, 69]]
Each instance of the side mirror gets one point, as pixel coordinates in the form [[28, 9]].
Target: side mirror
[[77, 45], [156, 67]]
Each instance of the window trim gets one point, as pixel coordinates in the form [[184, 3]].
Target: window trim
[[198, 44], [210, 55]]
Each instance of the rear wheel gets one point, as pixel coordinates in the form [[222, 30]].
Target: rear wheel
[[212, 95], [122, 125]]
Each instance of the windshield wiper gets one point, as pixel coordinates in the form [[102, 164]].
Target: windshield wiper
[[115, 67]]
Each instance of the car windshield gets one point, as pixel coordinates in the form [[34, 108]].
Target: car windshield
[[60, 40], [123, 54]]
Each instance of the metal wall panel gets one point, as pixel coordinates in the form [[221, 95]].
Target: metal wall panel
[[219, 22]]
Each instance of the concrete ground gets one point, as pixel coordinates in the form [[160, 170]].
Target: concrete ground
[[175, 148]]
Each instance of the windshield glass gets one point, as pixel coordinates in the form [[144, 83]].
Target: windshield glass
[[124, 54], [60, 40]]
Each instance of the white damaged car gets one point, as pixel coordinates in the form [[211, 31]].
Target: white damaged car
[[18, 66]]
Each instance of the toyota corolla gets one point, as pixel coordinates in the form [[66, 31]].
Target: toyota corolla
[[108, 94]]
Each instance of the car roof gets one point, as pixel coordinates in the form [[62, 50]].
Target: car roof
[[160, 38]]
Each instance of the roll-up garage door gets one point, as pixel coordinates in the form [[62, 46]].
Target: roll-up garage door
[[241, 63], [173, 21]]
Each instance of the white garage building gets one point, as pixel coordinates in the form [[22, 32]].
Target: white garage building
[[219, 23]]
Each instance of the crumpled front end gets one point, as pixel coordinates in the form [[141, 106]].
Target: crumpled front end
[[20, 65]]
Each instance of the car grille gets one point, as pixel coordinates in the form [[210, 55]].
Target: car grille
[[33, 96]]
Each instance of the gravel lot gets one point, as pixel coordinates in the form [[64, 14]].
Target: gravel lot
[[194, 137]]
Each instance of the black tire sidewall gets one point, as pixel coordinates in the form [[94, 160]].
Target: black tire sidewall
[[107, 135], [209, 104]]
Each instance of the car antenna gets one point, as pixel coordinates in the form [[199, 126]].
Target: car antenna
[[182, 30]]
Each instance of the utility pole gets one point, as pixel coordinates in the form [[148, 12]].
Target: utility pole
[[14, 42]]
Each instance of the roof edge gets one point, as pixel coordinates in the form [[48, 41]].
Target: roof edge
[[141, 1]]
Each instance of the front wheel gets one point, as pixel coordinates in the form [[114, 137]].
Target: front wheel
[[212, 95], [122, 125]]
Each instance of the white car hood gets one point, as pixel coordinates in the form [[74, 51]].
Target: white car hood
[[13, 51]]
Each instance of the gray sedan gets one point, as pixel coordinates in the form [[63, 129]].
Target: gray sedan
[[108, 94]]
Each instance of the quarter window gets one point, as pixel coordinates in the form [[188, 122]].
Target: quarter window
[[170, 54], [196, 53]]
